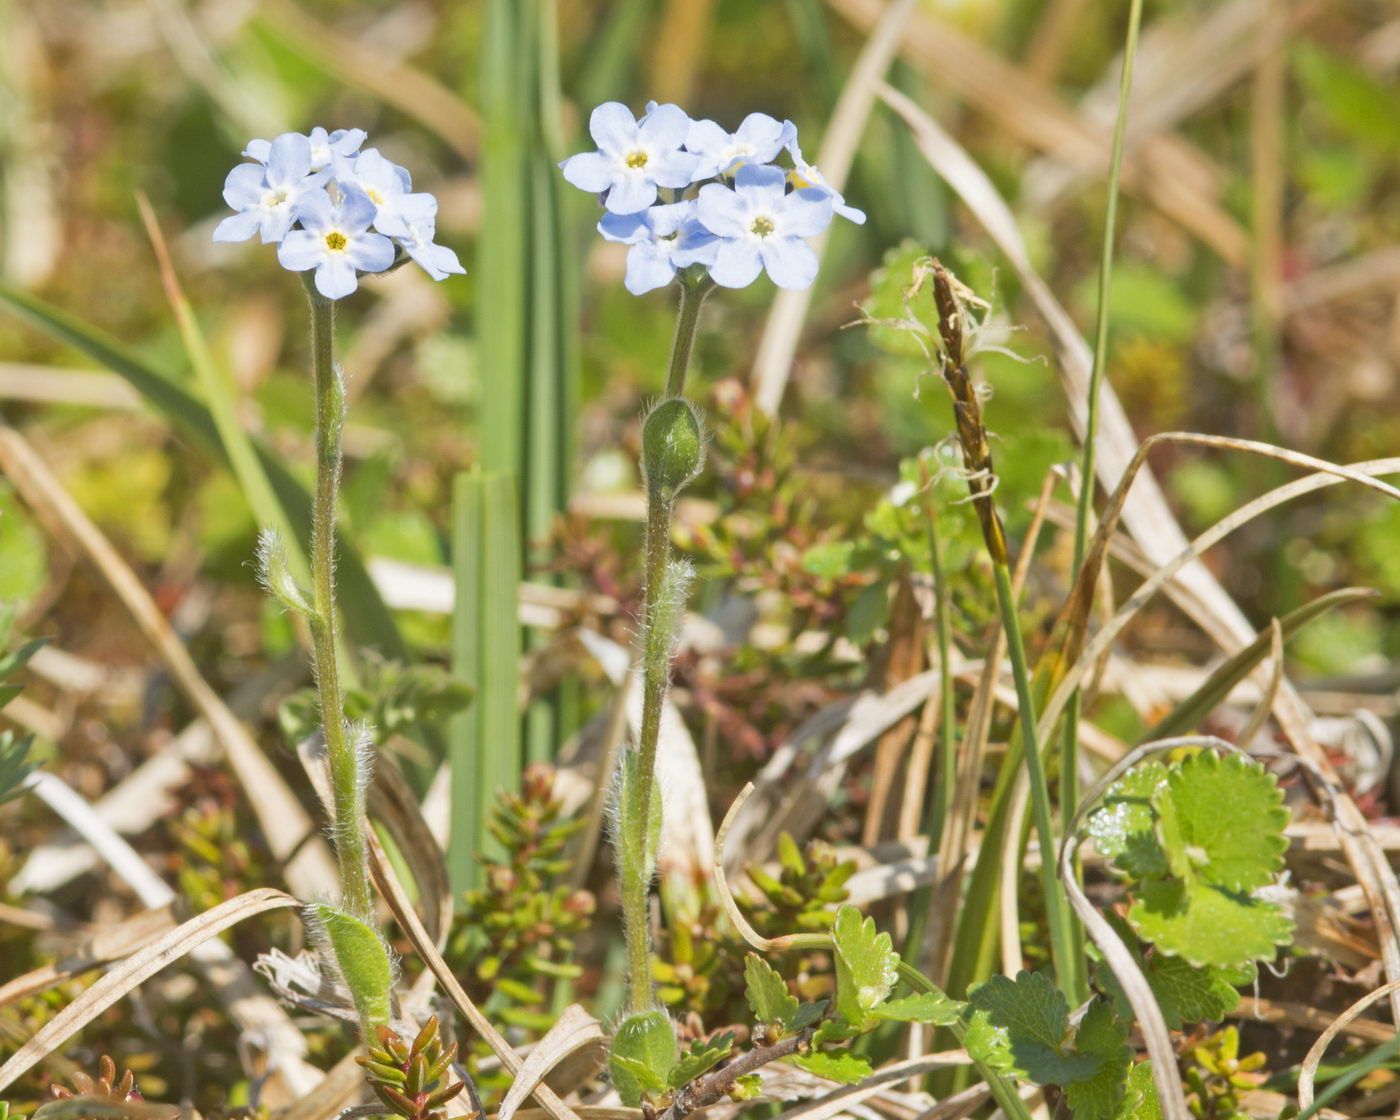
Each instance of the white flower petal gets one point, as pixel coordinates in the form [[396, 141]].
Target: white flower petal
[[630, 194], [647, 269], [301, 250], [590, 171], [665, 126], [245, 186], [238, 227], [790, 262], [722, 211], [613, 128], [370, 252], [336, 279], [737, 264], [807, 212]]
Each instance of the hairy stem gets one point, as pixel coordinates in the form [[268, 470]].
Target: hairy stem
[[347, 779]]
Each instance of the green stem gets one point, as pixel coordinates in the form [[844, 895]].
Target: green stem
[[1069, 742], [656, 667], [347, 784], [1067, 967]]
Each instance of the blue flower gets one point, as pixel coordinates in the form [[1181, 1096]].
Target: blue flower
[[436, 260], [336, 242], [663, 238], [324, 146], [758, 139], [267, 196], [633, 157], [804, 175], [760, 226], [388, 186]]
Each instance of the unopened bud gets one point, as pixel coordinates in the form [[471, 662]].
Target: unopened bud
[[673, 447]]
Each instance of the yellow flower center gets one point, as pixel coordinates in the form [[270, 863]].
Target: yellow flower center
[[335, 241], [762, 226], [374, 196], [637, 159]]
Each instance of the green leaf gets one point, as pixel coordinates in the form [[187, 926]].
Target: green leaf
[[1124, 826], [866, 965], [1224, 818], [14, 768], [1103, 1037], [745, 1088], [834, 1030], [647, 1040], [840, 1066], [700, 1057], [1208, 925], [1020, 1025], [362, 959], [1365, 109], [767, 992], [926, 1007], [806, 1015], [1139, 1096]]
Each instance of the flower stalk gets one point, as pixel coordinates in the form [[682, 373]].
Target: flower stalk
[[346, 767]]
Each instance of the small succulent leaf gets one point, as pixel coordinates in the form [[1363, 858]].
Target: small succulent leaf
[[926, 1007], [745, 1088], [1124, 825], [1228, 817], [767, 992], [840, 1066], [647, 1040], [15, 767], [18, 658], [360, 957], [866, 965], [1019, 1026], [700, 1058], [790, 855], [806, 1015], [1207, 925], [1104, 1038], [1139, 1096]]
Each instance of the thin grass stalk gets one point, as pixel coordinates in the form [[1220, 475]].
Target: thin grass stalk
[[977, 458], [469, 804], [346, 768], [1069, 742]]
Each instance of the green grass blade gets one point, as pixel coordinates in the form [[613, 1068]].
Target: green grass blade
[[468, 806]]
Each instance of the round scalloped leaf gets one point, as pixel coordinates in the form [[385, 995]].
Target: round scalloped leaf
[[1206, 925], [1020, 1025], [866, 965], [1124, 826], [1105, 1039], [1140, 1098], [1223, 818]]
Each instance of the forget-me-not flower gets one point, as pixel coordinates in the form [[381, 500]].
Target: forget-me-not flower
[[803, 174], [388, 186], [438, 261], [325, 146], [761, 227], [662, 239], [758, 139], [336, 241], [266, 196], [634, 157]]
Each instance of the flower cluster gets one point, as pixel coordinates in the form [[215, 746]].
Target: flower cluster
[[328, 205], [683, 192]]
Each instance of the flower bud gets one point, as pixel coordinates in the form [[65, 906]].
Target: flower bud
[[673, 448]]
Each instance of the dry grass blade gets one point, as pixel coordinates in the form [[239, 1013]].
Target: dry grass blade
[[282, 819], [341, 1088], [572, 1031], [1260, 715], [106, 943], [773, 363], [135, 970], [1307, 1074], [387, 883], [392, 804], [839, 1100]]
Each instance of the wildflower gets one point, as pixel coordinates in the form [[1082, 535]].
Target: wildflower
[[336, 242], [804, 175], [436, 260], [634, 157], [758, 139], [324, 146], [266, 196], [761, 227], [662, 239], [387, 185]]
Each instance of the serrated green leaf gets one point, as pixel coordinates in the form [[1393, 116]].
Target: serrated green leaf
[[1020, 1025], [1224, 817], [866, 965], [700, 1057], [1139, 1096], [1207, 925], [1103, 1037], [767, 992], [806, 1015], [840, 1066], [1124, 826], [833, 1030], [926, 1007], [648, 1040]]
